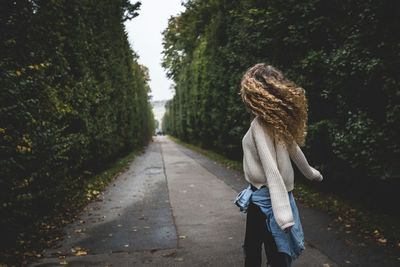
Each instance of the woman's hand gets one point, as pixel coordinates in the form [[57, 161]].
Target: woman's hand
[[287, 229]]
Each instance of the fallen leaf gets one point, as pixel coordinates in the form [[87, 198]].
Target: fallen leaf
[[171, 254], [126, 245], [146, 227], [347, 225], [325, 265], [109, 234], [63, 262], [382, 240], [81, 252], [230, 238], [182, 237], [347, 262], [30, 254], [78, 230], [179, 259], [328, 228], [348, 242], [119, 225]]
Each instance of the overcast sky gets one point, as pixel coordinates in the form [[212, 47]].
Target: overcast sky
[[145, 37]]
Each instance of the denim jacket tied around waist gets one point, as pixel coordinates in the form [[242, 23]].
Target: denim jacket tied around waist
[[291, 243]]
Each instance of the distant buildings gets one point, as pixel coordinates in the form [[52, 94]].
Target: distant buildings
[[158, 110]]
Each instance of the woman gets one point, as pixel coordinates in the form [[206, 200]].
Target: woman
[[274, 137]]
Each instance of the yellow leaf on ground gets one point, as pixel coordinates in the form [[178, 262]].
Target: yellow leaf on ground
[[126, 245], [382, 240], [63, 262], [325, 265], [81, 252], [18, 73], [182, 237]]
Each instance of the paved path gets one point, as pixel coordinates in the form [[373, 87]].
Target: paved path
[[172, 207]]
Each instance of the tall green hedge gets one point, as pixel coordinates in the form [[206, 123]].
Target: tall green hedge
[[345, 54], [73, 97]]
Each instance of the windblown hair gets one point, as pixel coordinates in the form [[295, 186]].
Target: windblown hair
[[278, 103]]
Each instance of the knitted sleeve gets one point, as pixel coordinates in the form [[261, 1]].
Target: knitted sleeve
[[279, 195], [301, 162]]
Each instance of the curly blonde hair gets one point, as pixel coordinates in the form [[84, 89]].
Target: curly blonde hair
[[279, 103]]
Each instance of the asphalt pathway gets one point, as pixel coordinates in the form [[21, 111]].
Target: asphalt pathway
[[174, 207]]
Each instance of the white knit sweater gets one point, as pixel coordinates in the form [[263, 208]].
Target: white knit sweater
[[266, 162]]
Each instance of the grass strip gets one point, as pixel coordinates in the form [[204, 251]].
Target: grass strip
[[354, 216]]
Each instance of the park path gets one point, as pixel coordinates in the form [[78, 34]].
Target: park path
[[169, 208]]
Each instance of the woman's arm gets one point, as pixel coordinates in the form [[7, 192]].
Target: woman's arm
[[279, 195], [301, 162]]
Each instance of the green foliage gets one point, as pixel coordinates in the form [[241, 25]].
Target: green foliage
[[344, 53], [73, 98]]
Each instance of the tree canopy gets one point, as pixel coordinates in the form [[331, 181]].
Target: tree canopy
[[345, 54], [73, 98]]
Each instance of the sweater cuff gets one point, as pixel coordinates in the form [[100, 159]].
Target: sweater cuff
[[319, 178], [286, 225]]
